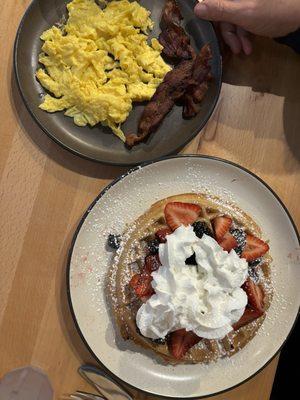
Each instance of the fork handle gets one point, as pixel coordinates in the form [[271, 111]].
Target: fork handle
[[79, 395], [105, 385]]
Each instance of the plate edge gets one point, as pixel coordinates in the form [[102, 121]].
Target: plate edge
[[101, 194], [79, 154]]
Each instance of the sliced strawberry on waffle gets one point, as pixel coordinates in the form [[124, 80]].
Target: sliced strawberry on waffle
[[228, 242], [254, 248], [255, 307], [180, 342], [221, 227], [177, 214], [161, 234], [152, 263], [249, 315], [255, 295], [141, 284]]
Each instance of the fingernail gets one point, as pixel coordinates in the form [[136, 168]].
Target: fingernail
[[200, 8], [247, 45]]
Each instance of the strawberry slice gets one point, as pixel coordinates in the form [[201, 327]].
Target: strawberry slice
[[254, 248], [228, 242], [141, 284], [177, 214], [162, 233], [255, 295], [255, 307], [152, 263], [134, 281], [221, 226], [180, 341], [249, 315]]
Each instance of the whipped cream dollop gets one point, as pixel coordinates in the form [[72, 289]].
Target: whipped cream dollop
[[206, 298]]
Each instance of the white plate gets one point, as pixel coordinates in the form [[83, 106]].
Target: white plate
[[126, 199]]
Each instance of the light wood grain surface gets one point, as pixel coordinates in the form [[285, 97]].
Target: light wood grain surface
[[45, 190]]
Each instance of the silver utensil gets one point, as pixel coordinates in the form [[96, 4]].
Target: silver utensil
[[105, 385], [83, 396]]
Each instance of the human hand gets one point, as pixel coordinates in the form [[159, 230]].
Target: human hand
[[272, 18]]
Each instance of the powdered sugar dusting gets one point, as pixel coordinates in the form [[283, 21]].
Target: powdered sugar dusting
[[117, 209]]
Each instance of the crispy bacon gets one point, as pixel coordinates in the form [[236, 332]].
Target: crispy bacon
[[168, 92], [187, 83], [176, 43], [198, 84], [171, 13], [173, 38]]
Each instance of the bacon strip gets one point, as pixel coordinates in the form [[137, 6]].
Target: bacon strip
[[173, 38], [171, 14], [168, 92], [187, 82], [199, 83]]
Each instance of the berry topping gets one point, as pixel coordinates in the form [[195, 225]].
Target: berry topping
[[152, 263], [191, 260], [255, 263], [162, 233], [254, 248], [221, 226], [134, 281], [180, 341], [200, 228], [255, 295], [177, 214], [249, 315], [114, 241], [228, 242], [225, 239], [238, 250], [252, 271], [153, 246], [240, 237], [141, 284], [159, 341]]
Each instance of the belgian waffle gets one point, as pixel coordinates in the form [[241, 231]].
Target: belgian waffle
[[129, 261]]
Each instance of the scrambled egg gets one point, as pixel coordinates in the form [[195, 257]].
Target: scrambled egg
[[99, 62]]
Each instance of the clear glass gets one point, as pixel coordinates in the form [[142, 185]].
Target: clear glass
[[27, 383]]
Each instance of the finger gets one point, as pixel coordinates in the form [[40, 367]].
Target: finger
[[220, 10], [245, 41], [230, 37]]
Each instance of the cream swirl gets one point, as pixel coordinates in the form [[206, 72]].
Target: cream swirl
[[206, 298]]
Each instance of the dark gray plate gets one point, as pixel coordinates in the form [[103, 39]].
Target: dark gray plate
[[98, 143]]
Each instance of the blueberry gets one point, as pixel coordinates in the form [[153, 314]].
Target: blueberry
[[239, 250], [159, 341], [114, 241], [253, 274], [200, 228], [191, 260], [254, 263], [153, 246], [240, 237]]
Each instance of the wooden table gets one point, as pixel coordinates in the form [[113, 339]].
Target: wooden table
[[45, 190]]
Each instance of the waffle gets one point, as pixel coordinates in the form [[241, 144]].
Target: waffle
[[130, 258]]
